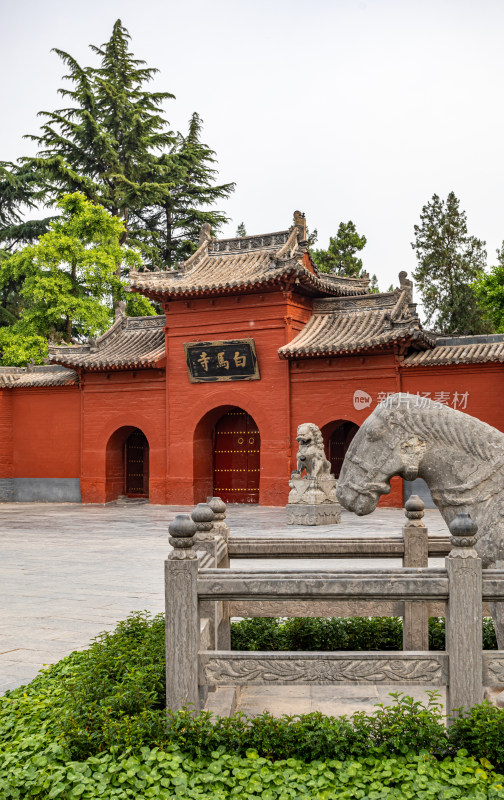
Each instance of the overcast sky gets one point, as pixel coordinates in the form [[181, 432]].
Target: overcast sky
[[345, 109]]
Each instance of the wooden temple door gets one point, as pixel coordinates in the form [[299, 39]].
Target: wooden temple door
[[339, 443], [136, 465], [237, 446]]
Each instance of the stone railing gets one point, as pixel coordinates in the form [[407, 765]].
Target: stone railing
[[200, 601]]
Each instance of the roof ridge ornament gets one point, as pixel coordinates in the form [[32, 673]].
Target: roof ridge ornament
[[300, 224], [120, 310], [205, 234]]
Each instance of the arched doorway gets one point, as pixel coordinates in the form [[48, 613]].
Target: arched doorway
[[136, 465], [127, 464], [236, 464], [337, 438]]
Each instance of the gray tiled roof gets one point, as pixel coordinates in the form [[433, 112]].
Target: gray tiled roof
[[31, 377], [460, 350], [132, 342], [346, 325], [245, 264]]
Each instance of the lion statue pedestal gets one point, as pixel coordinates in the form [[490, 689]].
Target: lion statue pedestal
[[312, 497]]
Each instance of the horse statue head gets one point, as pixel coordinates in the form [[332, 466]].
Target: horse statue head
[[460, 458], [382, 448]]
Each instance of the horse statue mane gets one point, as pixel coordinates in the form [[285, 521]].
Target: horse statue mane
[[460, 458]]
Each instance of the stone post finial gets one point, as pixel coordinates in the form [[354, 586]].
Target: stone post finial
[[414, 510], [218, 506], [182, 531], [463, 537], [203, 517]]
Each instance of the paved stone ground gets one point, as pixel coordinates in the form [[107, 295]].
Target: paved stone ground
[[69, 571], [333, 701]]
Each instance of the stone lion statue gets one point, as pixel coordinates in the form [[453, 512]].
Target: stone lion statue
[[311, 455]]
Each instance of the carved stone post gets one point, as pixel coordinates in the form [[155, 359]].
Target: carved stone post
[[463, 618], [223, 633], [182, 618], [206, 539], [204, 517], [218, 506], [416, 554]]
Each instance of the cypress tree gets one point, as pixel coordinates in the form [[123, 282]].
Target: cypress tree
[[340, 257], [449, 261], [169, 229], [112, 143], [103, 143]]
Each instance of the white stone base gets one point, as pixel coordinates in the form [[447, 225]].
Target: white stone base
[[316, 514]]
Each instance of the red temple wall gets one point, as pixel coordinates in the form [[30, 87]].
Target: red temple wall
[[112, 405], [46, 432], [193, 408], [323, 391], [79, 433], [483, 383], [6, 435]]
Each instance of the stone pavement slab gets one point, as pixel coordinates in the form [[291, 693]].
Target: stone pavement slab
[[334, 701], [70, 571]]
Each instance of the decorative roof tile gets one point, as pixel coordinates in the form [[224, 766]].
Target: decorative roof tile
[[346, 325], [131, 343], [460, 350], [245, 264], [31, 377]]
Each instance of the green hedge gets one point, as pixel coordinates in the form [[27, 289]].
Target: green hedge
[[351, 633], [94, 725]]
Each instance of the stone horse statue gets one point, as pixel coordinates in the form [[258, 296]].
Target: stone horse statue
[[460, 458]]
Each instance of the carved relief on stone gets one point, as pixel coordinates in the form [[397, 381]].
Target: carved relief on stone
[[321, 670]]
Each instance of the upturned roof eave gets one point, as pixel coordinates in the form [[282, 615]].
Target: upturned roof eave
[[389, 344], [154, 363], [296, 279]]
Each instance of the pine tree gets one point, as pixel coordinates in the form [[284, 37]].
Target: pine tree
[[241, 231], [103, 143], [340, 257], [449, 261], [112, 144], [20, 189], [168, 230]]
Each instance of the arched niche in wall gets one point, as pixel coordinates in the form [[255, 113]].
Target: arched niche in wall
[[127, 464], [337, 437]]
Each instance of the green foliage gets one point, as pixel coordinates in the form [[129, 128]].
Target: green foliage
[[481, 731], [241, 230], [168, 774], [349, 633], [101, 142], [449, 262], [340, 257], [113, 144], [19, 190], [19, 346], [94, 726], [65, 279], [168, 229], [489, 290]]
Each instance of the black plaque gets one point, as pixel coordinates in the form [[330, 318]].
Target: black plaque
[[231, 360]]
